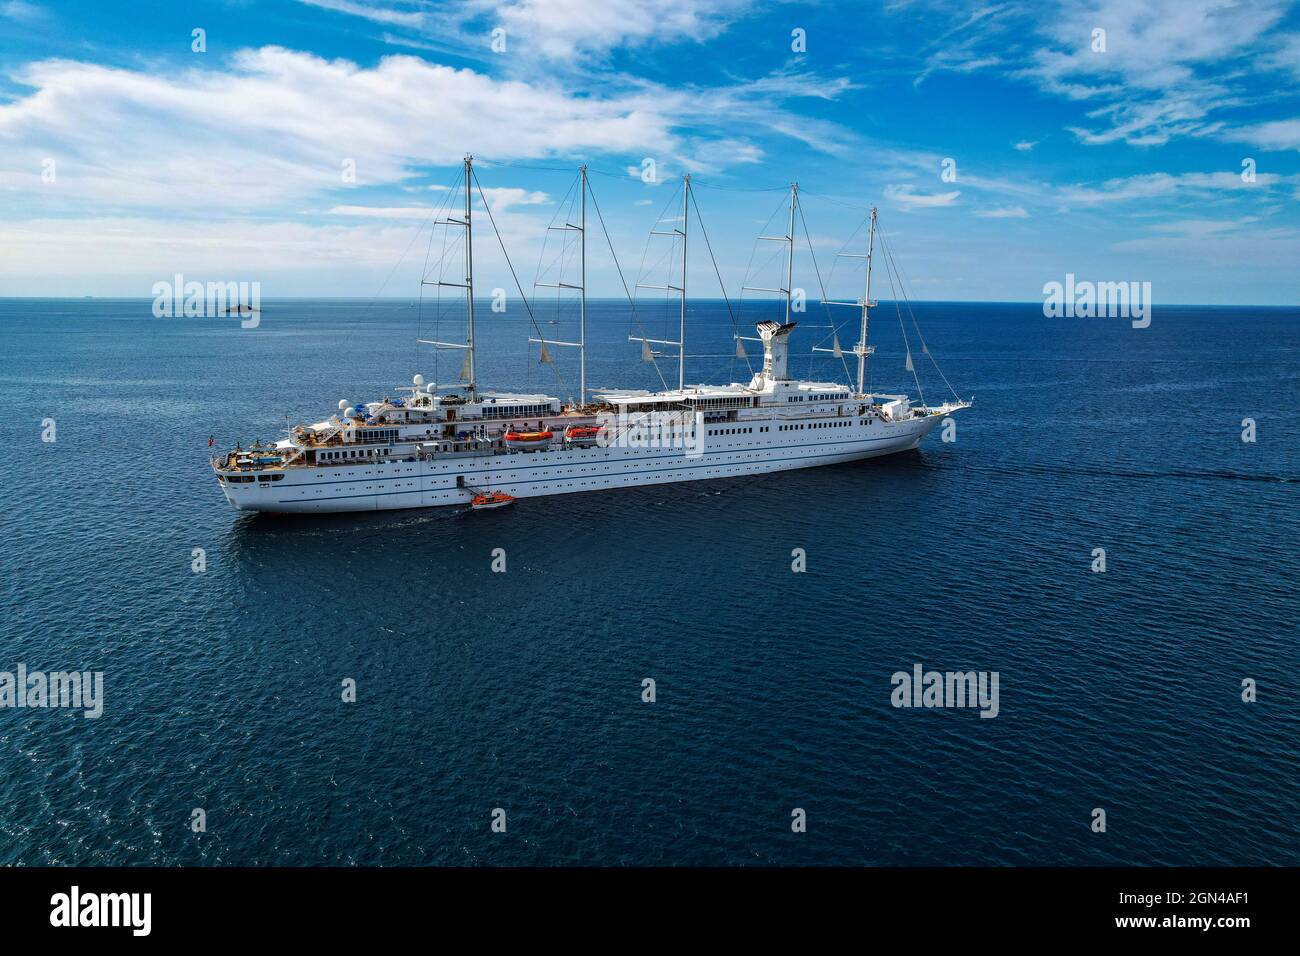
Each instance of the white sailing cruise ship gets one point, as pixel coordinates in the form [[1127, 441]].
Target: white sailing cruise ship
[[457, 445]]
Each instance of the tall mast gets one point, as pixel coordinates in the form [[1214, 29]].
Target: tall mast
[[469, 279], [789, 262], [581, 287], [468, 369], [680, 344], [681, 324], [582, 296], [861, 349], [788, 289]]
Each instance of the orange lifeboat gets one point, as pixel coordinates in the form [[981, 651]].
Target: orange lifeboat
[[582, 434], [491, 499], [528, 441]]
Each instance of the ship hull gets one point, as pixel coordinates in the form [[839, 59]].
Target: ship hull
[[454, 480]]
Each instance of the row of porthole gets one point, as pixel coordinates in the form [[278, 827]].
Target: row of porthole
[[240, 479], [625, 479], [626, 465]]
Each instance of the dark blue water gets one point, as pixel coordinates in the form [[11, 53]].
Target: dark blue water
[[522, 690]]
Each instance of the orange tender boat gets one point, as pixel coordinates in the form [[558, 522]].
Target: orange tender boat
[[491, 499], [582, 434], [528, 440]]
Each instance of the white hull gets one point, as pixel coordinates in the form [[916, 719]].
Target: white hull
[[449, 480]]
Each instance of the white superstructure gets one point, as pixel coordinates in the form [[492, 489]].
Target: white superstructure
[[427, 449]]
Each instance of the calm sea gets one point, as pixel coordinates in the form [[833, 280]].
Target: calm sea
[[523, 690]]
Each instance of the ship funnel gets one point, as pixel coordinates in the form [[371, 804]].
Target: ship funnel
[[775, 346]]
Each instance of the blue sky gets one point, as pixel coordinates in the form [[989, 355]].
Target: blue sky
[[1124, 163]]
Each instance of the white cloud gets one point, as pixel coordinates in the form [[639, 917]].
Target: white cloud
[[1004, 212], [907, 198], [1157, 185], [356, 255], [1165, 67], [1276, 134], [561, 29], [1192, 228], [557, 30], [503, 197], [383, 212], [376, 12], [21, 11], [278, 126], [1025, 145]]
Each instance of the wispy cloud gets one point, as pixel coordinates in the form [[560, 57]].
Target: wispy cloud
[[376, 12], [1158, 69], [383, 212], [21, 11], [555, 30], [907, 198], [559, 29], [1275, 134], [298, 118], [1157, 185]]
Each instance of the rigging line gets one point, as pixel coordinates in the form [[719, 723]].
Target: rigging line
[[906, 344], [838, 202], [741, 189], [560, 207], [561, 258], [735, 326], [924, 346], [501, 242], [419, 308], [666, 259], [391, 272], [753, 252], [513, 165], [626, 176], [627, 292], [449, 245], [889, 256], [443, 208], [754, 249], [822, 287]]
